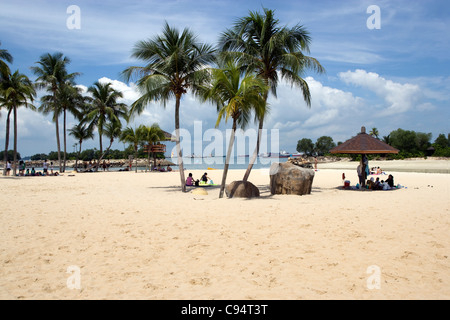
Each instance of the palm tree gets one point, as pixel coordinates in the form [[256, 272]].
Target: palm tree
[[52, 75], [236, 95], [176, 63], [72, 101], [81, 132], [17, 90], [4, 69], [134, 137], [112, 130], [4, 103], [270, 51], [374, 133], [69, 98], [152, 135], [105, 108]]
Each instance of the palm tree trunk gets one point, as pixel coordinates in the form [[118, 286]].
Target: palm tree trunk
[[227, 161], [177, 133], [100, 134], [5, 156], [135, 157], [15, 142], [106, 151], [258, 142], [148, 158], [154, 159], [78, 156], [256, 152], [58, 143], [65, 150]]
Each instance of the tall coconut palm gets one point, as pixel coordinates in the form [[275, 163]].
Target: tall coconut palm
[[17, 91], [5, 104], [71, 101], [52, 75], [69, 98], [81, 132], [175, 64], [152, 135], [134, 137], [236, 96], [273, 52], [105, 108]]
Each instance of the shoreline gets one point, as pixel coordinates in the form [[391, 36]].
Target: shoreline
[[419, 165]]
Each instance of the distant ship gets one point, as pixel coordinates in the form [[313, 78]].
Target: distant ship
[[282, 154]]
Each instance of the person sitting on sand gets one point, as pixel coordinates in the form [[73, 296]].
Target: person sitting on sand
[[385, 185], [169, 169], [190, 181], [377, 185], [370, 184], [205, 177], [390, 181], [33, 172], [27, 173]]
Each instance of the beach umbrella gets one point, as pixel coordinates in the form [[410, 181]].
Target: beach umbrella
[[169, 137], [363, 144]]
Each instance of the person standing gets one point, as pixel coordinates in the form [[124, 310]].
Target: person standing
[[8, 168], [45, 166], [21, 168], [360, 172]]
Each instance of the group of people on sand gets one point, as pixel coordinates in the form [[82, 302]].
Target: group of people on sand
[[190, 181], [161, 169], [24, 172], [373, 184], [376, 171], [94, 166]]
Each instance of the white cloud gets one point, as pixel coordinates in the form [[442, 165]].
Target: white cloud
[[399, 98]]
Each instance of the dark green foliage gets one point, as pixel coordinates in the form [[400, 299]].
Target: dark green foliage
[[442, 141], [410, 143], [10, 155], [305, 145], [324, 144]]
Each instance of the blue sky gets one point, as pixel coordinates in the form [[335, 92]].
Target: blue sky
[[389, 78]]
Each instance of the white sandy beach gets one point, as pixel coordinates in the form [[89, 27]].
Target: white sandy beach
[[136, 236]]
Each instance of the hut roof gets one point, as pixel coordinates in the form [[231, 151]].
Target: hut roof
[[364, 144], [168, 136]]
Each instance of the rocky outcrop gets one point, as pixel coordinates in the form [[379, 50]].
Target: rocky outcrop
[[288, 178], [241, 189]]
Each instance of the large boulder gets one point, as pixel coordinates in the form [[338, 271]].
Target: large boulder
[[241, 189], [287, 178]]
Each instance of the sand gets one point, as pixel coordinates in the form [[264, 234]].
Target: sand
[[136, 236]]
